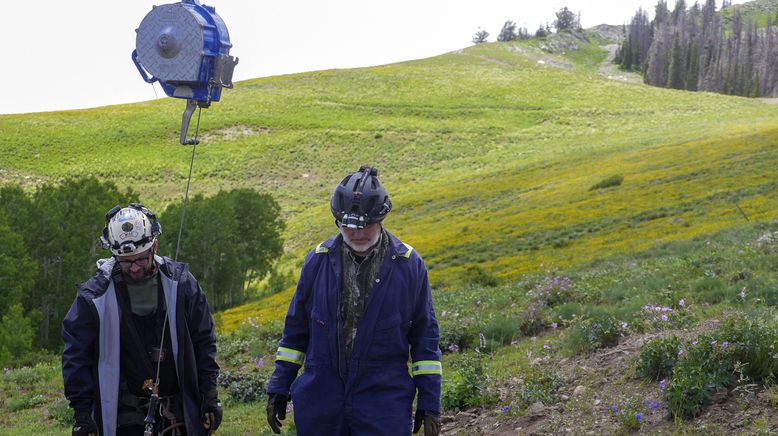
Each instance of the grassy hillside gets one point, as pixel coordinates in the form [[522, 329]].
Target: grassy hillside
[[492, 155], [757, 11], [485, 147]]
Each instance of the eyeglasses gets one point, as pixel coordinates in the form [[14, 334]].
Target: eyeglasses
[[142, 262]]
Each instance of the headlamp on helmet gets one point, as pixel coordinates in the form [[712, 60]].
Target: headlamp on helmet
[[360, 200], [130, 230]]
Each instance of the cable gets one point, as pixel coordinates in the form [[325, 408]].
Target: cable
[[178, 246], [188, 182]]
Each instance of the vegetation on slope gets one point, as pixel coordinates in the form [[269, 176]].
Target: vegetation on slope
[[490, 155]]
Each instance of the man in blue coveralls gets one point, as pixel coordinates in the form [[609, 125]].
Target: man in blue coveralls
[[362, 306]]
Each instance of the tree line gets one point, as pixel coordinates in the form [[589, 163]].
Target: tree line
[[49, 242], [695, 49], [566, 21]]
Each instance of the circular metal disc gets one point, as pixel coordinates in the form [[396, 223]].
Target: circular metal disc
[[170, 43]]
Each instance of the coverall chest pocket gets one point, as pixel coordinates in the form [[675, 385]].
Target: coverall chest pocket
[[318, 347], [388, 338]]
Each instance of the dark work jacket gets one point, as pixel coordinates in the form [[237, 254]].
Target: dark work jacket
[[91, 358], [374, 393]]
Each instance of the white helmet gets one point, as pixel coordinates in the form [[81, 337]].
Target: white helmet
[[130, 230]]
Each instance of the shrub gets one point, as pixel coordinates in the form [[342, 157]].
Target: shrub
[[768, 242], [24, 401], [28, 376], [591, 334], [455, 337], [698, 374], [531, 321], [17, 333], [249, 341], [608, 182], [540, 385], [552, 290], [61, 412], [658, 358], [752, 342], [652, 317], [502, 329], [241, 387], [475, 275], [566, 312], [468, 383]]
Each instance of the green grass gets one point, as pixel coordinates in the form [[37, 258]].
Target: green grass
[[489, 156], [756, 11]]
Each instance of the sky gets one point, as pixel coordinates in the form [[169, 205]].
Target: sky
[[76, 54]]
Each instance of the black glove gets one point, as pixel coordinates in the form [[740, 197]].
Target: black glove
[[212, 412], [276, 411], [84, 424], [431, 421]]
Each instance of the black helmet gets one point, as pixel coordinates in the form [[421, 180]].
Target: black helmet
[[360, 199]]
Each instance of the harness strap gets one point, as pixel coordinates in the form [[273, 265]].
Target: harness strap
[[125, 318]]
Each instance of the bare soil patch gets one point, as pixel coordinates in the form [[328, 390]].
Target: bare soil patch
[[595, 382]]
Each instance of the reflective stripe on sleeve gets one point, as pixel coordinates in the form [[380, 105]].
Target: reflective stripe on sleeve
[[290, 355], [426, 367], [321, 248]]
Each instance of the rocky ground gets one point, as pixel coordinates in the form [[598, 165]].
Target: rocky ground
[[595, 382]]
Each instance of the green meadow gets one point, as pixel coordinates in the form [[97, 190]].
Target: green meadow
[[507, 163]]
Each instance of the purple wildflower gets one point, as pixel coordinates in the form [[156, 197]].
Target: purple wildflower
[[554, 325], [546, 347], [724, 345], [505, 408], [615, 410], [260, 361], [682, 302], [664, 317], [639, 417], [663, 384]]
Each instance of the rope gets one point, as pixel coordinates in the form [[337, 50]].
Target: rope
[[178, 247], [188, 182]]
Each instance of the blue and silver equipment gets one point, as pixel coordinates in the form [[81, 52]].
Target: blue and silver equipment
[[186, 47]]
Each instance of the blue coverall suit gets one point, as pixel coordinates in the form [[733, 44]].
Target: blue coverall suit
[[91, 359], [374, 393]]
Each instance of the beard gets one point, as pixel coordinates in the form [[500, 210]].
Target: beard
[[363, 244]]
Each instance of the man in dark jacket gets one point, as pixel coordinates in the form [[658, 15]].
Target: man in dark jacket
[[362, 306], [140, 331]]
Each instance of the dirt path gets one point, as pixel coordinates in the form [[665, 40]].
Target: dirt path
[[612, 71]]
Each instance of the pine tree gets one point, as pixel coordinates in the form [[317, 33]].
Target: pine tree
[[566, 20], [480, 36], [508, 32], [676, 73], [692, 67]]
